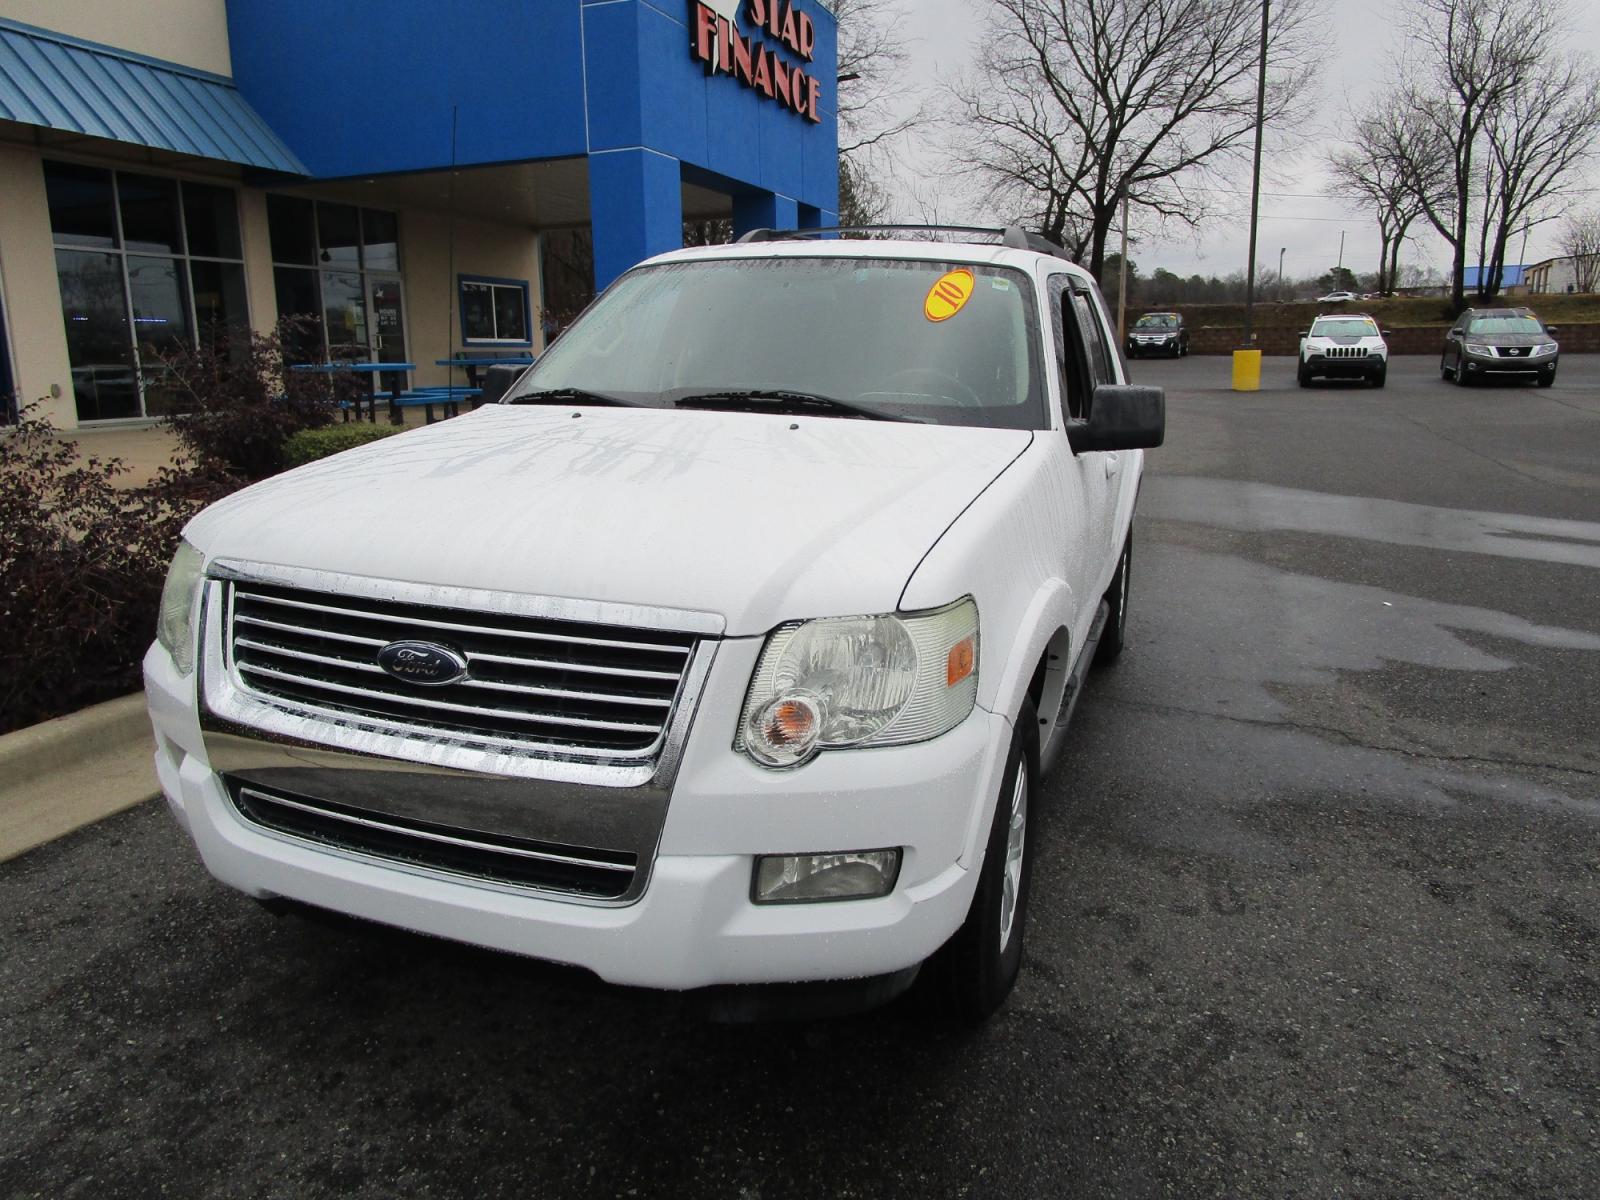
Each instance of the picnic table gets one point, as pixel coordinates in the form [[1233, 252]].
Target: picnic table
[[393, 385], [472, 365]]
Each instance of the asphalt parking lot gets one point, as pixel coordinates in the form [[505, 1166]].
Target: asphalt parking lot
[[1316, 912]]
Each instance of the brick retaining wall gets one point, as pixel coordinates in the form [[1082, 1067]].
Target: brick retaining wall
[[1416, 339]]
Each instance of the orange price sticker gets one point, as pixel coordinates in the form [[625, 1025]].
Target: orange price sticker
[[948, 295]]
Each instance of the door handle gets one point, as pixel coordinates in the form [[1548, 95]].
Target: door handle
[[1113, 464]]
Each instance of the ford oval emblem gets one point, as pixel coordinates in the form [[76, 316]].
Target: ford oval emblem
[[422, 663]]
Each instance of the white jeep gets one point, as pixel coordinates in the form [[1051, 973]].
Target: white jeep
[[1343, 346], [727, 648]]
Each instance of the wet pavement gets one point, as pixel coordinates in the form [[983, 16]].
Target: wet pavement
[[1316, 912]]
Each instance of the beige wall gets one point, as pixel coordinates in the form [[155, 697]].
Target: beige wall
[[502, 251], [257, 243], [191, 32], [33, 297]]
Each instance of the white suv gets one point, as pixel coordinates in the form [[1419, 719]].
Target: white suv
[[726, 649], [1344, 347]]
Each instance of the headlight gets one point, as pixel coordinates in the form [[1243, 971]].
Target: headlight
[[175, 625], [1473, 348], [859, 681], [1547, 348]]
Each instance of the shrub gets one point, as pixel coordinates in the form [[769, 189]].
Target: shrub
[[311, 444], [238, 403], [81, 567]]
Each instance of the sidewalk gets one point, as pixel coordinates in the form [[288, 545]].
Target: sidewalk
[[70, 772]]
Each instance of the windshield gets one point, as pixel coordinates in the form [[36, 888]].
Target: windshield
[[1156, 321], [1344, 327], [1505, 325], [949, 343]]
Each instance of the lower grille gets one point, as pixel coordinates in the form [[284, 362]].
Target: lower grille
[[589, 873]]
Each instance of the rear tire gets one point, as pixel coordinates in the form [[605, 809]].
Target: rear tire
[[980, 964]]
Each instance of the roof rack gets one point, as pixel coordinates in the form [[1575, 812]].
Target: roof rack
[[1013, 236]]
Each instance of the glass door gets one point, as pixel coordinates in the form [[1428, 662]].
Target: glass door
[[388, 328]]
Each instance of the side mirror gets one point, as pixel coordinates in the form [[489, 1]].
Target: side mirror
[[1122, 416], [1305, 333], [1552, 329], [497, 382], [1385, 332]]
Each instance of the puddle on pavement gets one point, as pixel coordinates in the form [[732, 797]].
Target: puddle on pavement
[[1259, 507]]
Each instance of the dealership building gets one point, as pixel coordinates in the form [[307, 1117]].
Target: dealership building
[[426, 178]]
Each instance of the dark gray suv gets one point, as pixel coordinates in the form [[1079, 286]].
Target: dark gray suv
[[1500, 343]]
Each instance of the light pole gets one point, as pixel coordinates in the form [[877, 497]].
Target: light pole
[[1281, 252], [1247, 360]]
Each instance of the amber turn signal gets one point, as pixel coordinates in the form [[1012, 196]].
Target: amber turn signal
[[958, 665]]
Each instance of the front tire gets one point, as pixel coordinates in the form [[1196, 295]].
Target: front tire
[[1304, 376], [1444, 370], [1547, 380], [982, 961], [1378, 379]]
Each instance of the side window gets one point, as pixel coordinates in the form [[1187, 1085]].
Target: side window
[[1100, 369], [1069, 349]]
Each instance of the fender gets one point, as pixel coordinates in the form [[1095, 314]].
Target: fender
[[1051, 609]]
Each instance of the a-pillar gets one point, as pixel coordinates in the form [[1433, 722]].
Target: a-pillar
[[635, 208], [764, 210]]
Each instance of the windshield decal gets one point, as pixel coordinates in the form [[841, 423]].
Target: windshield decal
[[948, 295]]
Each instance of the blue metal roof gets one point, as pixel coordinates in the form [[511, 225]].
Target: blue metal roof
[[59, 82], [1510, 275]]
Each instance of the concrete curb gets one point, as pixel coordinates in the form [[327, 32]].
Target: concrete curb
[[69, 772]]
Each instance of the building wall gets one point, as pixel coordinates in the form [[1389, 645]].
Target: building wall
[[433, 311], [191, 32], [33, 297]]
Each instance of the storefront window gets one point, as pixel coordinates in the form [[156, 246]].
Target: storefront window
[[343, 300], [494, 311], [166, 270], [211, 217], [99, 343], [149, 214], [82, 212], [293, 232]]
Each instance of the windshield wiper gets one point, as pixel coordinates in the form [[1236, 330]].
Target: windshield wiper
[[784, 400], [571, 395]]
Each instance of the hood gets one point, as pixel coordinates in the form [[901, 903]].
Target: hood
[[1508, 339], [761, 518]]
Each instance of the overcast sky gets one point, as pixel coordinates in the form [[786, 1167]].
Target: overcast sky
[[1357, 36]]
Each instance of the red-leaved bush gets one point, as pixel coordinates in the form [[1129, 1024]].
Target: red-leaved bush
[[238, 402], [82, 562]]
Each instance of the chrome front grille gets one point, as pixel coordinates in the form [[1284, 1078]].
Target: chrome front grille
[[533, 683]]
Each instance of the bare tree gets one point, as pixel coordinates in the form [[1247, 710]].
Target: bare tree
[[873, 106], [1374, 170], [1472, 56], [1077, 102], [1546, 127], [1580, 238]]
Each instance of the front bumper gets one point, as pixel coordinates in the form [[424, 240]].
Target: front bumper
[[1493, 366], [1366, 367], [693, 925], [1134, 347]]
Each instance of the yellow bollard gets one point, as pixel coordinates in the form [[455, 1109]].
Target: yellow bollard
[[1247, 370]]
